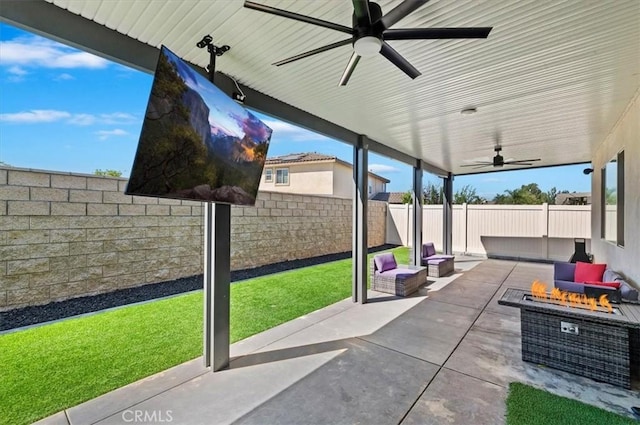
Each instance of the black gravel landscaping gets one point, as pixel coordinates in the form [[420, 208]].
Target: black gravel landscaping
[[26, 316]]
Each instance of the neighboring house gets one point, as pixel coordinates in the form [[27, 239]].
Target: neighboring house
[[575, 198], [390, 197], [314, 174]]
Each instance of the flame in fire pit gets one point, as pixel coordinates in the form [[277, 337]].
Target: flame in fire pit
[[570, 299], [604, 302]]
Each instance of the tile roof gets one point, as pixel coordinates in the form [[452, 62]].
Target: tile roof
[[390, 197], [299, 157], [294, 158]]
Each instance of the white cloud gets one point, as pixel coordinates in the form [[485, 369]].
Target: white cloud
[[64, 77], [34, 51], [16, 70], [105, 134], [50, 115], [82, 119], [382, 168], [117, 118], [283, 129], [35, 116]]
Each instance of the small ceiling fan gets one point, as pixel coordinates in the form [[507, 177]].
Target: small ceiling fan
[[499, 161], [371, 31]]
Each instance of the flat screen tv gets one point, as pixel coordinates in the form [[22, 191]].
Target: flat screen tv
[[196, 142]]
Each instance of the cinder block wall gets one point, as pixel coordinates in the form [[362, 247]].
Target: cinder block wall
[[66, 235]]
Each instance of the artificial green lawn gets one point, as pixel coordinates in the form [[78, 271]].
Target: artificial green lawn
[[49, 368], [530, 406]]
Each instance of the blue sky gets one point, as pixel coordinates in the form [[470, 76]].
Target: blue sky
[[66, 110]]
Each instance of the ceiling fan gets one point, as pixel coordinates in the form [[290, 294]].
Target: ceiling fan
[[499, 161], [371, 31]]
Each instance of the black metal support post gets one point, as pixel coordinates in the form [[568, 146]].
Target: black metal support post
[[447, 211], [217, 279], [360, 203], [416, 196], [217, 262]]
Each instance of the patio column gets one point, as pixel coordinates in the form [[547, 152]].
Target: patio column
[[217, 278], [359, 233], [447, 211], [416, 197]]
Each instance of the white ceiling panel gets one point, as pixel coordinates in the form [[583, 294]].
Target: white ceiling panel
[[551, 79]]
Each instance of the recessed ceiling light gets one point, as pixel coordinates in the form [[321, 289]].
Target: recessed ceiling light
[[468, 111]]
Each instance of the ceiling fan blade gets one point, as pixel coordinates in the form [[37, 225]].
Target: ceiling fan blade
[[400, 11], [516, 161], [351, 66], [361, 10], [435, 33], [297, 17], [477, 165], [313, 52], [397, 59]]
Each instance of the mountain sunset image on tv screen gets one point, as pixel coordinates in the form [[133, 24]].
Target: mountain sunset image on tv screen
[[196, 142]]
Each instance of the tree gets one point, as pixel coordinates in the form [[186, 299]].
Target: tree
[[432, 194], [527, 194], [108, 173], [407, 197], [467, 195], [610, 196]]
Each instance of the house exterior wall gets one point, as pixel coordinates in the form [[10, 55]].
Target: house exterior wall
[[377, 185], [314, 178], [624, 136], [330, 178], [342, 181], [67, 235]]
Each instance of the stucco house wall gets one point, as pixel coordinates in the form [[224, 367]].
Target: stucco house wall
[[326, 178], [314, 178], [343, 181], [624, 136]]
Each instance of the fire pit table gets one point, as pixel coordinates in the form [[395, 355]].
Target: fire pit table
[[596, 344]]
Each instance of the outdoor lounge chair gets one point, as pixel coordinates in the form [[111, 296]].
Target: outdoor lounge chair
[[387, 276], [438, 264]]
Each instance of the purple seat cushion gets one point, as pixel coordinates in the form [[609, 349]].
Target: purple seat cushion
[[564, 271], [428, 249], [401, 273], [385, 262], [436, 261], [441, 257]]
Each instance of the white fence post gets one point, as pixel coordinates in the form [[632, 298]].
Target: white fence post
[[545, 229], [526, 231], [465, 223]]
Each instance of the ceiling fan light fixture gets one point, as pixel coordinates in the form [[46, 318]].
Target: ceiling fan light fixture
[[367, 46]]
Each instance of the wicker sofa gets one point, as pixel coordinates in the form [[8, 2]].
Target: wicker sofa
[[387, 276], [583, 277]]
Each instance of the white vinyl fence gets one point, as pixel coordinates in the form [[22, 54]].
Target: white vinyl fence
[[544, 232]]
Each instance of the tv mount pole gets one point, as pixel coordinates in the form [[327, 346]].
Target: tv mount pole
[[207, 41], [217, 260]]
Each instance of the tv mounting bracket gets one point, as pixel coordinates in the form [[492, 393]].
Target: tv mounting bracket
[[207, 41]]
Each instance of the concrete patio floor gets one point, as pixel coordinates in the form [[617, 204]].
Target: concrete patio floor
[[445, 355]]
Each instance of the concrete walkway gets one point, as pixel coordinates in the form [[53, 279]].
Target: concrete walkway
[[445, 355]]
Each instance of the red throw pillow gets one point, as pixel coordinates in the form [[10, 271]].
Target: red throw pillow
[[609, 284], [587, 272]]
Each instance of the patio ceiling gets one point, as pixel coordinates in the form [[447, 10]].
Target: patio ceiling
[[551, 79]]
